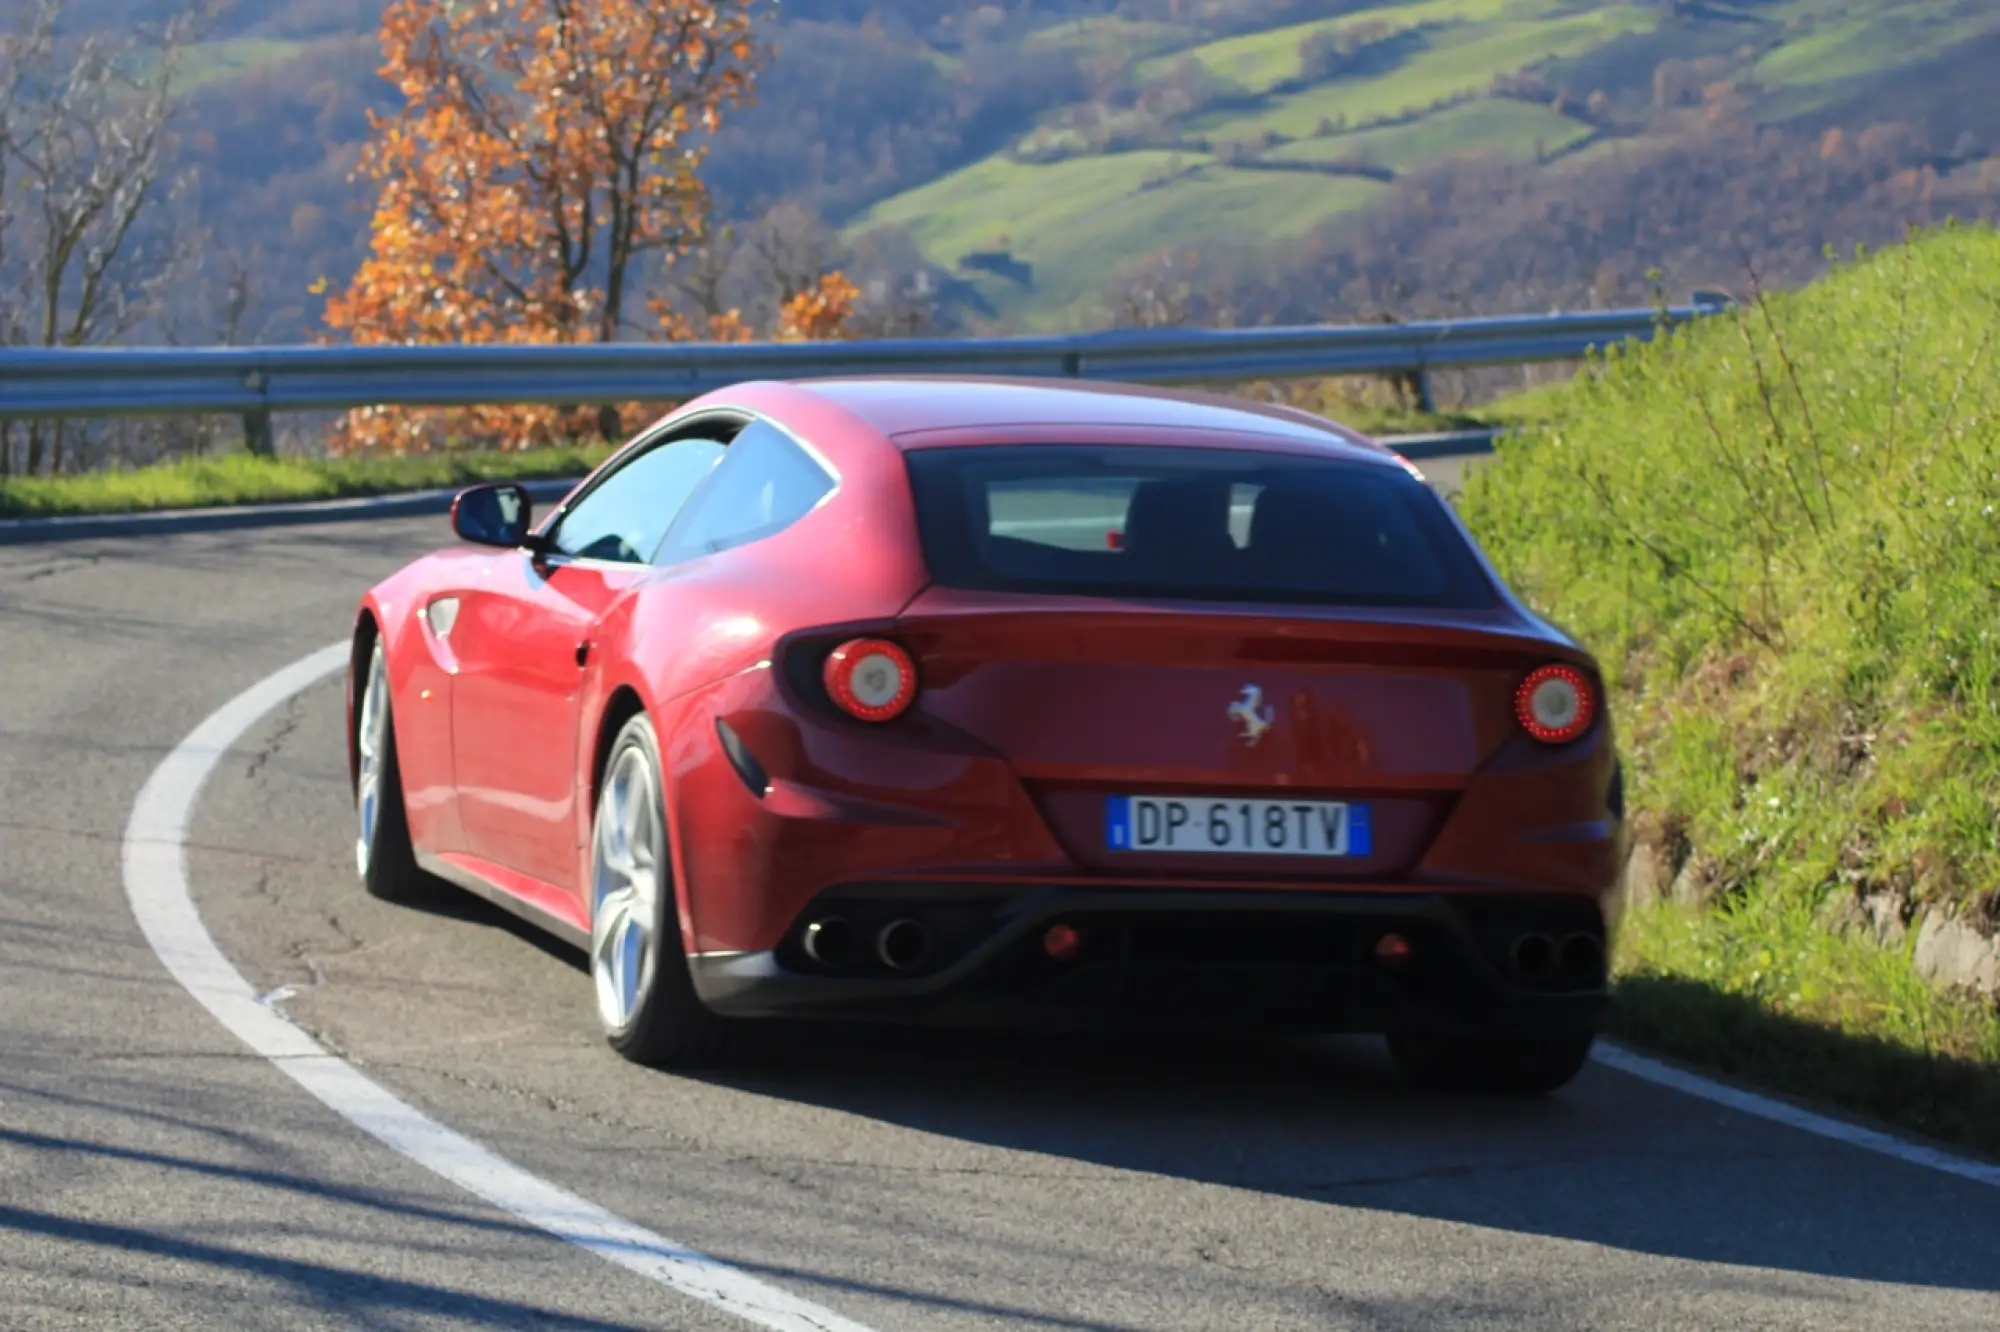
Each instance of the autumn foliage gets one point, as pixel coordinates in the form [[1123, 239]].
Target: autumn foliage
[[539, 175]]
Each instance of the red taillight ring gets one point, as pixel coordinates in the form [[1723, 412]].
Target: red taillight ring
[[1555, 704], [870, 679]]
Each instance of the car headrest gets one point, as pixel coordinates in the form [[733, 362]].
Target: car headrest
[[1309, 521], [1186, 517]]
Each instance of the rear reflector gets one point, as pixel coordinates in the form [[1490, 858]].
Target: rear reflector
[[1555, 704], [871, 679]]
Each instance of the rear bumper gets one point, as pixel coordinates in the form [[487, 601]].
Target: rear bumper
[[1181, 959]]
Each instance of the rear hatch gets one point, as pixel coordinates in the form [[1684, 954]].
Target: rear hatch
[[1215, 662]]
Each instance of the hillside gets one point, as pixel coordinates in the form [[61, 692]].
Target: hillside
[[1041, 158], [1267, 135], [1779, 537]]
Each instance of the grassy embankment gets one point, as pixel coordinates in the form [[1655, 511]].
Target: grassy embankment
[[1781, 533]]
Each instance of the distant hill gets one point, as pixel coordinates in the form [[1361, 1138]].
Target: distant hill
[[1269, 135], [1037, 154]]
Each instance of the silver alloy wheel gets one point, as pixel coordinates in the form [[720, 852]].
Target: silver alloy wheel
[[627, 858], [372, 742]]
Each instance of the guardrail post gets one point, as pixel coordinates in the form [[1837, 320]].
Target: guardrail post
[[1425, 399], [258, 436]]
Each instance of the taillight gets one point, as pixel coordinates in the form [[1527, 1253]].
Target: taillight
[[871, 679], [1555, 704]]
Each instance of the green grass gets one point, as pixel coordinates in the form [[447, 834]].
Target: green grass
[[1888, 37], [1078, 221], [1259, 61], [1454, 62], [1110, 34], [239, 478], [1497, 125], [1779, 534]]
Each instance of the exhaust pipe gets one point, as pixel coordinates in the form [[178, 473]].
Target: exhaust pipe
[[903, 945], [1582, 958], [830, 942], [1532, 955]]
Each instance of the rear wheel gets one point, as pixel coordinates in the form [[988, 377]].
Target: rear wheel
[[1509, 1064], [382, 852], [645, 998]]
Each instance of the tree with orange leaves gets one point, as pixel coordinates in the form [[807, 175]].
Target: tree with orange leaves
[[540, 167]]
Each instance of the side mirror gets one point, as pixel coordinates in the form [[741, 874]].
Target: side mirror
[[493, 515]]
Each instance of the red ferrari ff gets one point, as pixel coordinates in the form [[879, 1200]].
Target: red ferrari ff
[[1000, 701]]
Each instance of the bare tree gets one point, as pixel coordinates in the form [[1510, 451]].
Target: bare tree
[[792, 249], [86, 151], [749, 275], [698, 280], [1151, 293]]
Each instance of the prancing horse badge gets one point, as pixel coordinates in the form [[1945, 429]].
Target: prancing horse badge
[[1250, 712]]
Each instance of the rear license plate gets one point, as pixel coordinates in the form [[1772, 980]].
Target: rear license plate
[[1230, 826]]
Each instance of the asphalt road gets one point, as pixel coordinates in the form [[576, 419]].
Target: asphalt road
[[155, 1173]]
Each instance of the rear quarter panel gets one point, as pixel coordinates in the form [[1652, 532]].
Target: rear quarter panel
[[689, 628]]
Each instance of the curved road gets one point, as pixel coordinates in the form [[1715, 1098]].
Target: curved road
[[156, 1173]]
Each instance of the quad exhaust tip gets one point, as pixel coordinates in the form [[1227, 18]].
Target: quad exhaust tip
[[903, 945], [1533, 955], [1582, 958], [830, 942], [1577, 957]]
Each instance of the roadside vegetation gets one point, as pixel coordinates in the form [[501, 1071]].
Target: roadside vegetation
[[215, 479], [243, 478], [1780, 531]]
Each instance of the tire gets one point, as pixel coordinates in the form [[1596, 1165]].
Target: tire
[[638, 965], [382, 851], [1491, 1063]]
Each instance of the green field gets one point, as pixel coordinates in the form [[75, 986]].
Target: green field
[[1847, 44], [1454, 62], [1112, 35], [1495, 125], [1779, 536], [1080, 220], [1259, 61], [1074, 220]]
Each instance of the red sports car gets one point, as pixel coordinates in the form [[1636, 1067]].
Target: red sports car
[[997, 701]]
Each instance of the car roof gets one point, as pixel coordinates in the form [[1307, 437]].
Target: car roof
[[904, 406]]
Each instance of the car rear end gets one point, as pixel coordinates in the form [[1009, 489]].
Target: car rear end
[[1215, 730]]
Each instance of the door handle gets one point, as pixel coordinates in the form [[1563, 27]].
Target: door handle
[[583, 652]]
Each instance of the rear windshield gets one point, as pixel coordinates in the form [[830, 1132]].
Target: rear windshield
[[1201, 524]]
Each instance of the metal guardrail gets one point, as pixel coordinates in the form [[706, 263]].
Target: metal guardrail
[[255, 382]]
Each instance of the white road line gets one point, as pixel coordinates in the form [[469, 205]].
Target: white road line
[[1792, 1116], [156, 884]]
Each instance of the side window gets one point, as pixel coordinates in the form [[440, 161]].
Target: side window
[[626, 514], [766, 484]]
